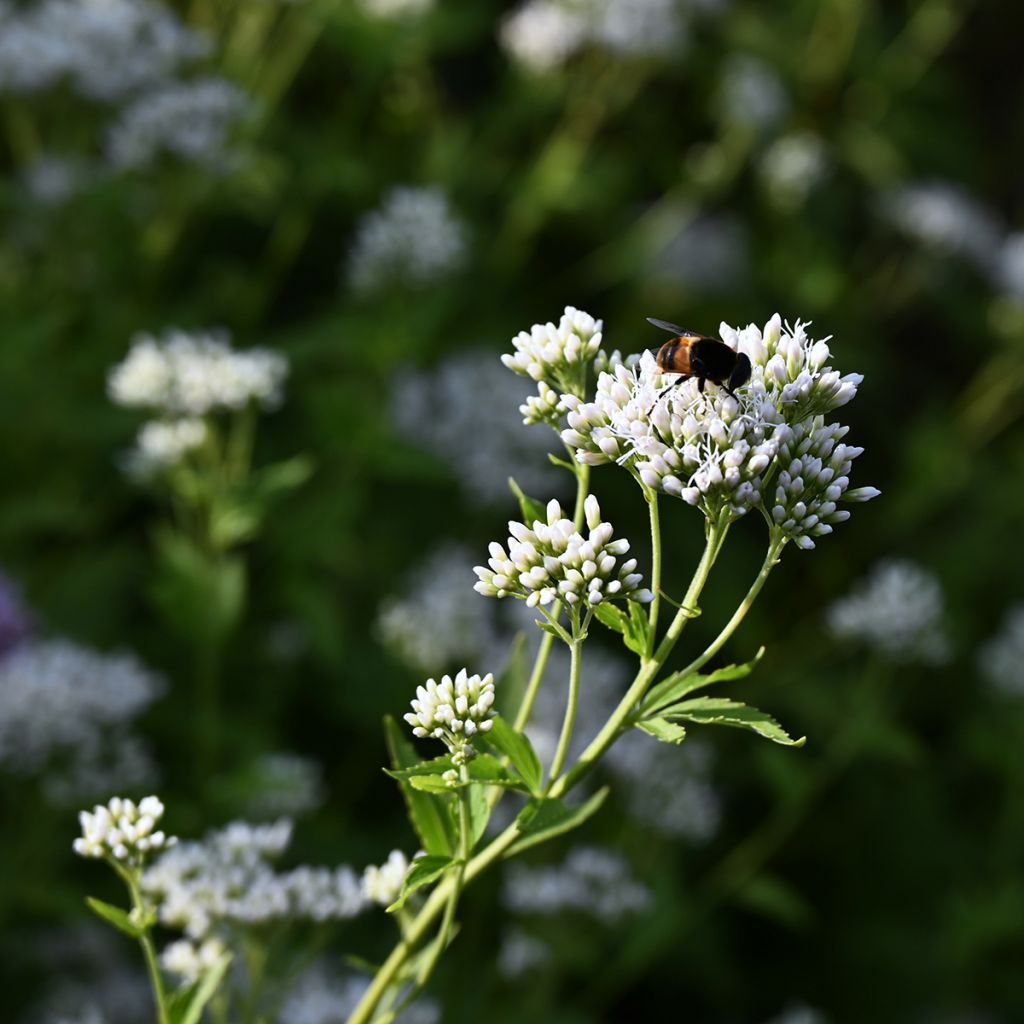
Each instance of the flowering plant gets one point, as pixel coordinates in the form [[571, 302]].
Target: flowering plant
[[771, 448]]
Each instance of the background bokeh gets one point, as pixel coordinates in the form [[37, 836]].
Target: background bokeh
[[386, 192]]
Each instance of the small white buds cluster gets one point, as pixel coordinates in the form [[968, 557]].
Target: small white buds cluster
[[383, 884], [454, 710], [544, 407], [556, 355], [813, 478], [123, 830], [554, 561]]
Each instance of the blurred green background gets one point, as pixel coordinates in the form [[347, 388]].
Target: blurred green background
[[851, 162]]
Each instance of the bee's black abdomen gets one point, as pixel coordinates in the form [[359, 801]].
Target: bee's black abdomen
[[712, 359]]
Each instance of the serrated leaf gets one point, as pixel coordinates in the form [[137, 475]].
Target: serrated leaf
[[113, 915], [427, 814], [487, 769], [612, 616], [518, 749], [531, 509], [424, 870], [544, 818], [634, 627], [723, 711], [550, 627], [435, 766], [660, 729], [190, 1011], [678, 685]]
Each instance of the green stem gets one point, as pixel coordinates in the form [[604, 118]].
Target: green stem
[[650, 667], [582, 490], [526, 707], [438, 900], [652, 505], [562, 751], [149, 951], [771, 559]]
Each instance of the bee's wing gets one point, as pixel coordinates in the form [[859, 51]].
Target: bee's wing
[[679, 332]]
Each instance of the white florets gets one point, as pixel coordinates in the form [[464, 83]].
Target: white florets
[[182, 374], [590, 881], [395, 8], [227, 879], [189, 961], [556, 355], [1001, 660], [383, 884], [453, 710], [190, 121], [814, 476], [123, 830], [412, 240], [554, 561], [898, 611], [161, 444]]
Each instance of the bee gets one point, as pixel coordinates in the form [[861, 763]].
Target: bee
[[697, 355]]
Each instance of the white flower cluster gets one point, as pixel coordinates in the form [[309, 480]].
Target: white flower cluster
[[227, 880], [591, 881], [191, 375], [751, 93], [814, 468], [1001, 660], [413, 240], [123, 830], [57, 697], [792, 166], [191, 121], [713, 450], [105, 49], [668, 788], [554, 561], [189, 961], [454, 711], [542, 35], [383, 884], [322, 997], [557, 357], [443, 412], [898, 611]]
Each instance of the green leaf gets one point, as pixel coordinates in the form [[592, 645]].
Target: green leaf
[[556, 461], [530, 508], [113, 915], [518, 749], [487, 769], [479, 813], [424, 870], [634, 626], [436, 766], [660, 729], [187, 1004], [281, 477], [722, 711], [556, 631], [511, 684], [427, 814], [678, 685], [544, 818]]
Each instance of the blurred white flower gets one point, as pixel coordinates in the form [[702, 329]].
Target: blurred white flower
[[898, 611], [590, 881], [321, 996], [193, 374], [122, 761], [161, 444], [105, 49], [1001, 659], [792, 166], [414, 239], [123, 830], [1009, 269], [542, 35], [53, 180], [395, 8], [440, 620], [190, 121], [751, 93], [943, 216], [189, 961], [227, 880], [383, 884], [466, 411], [58, 698], [520, 953], [668, 787]]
